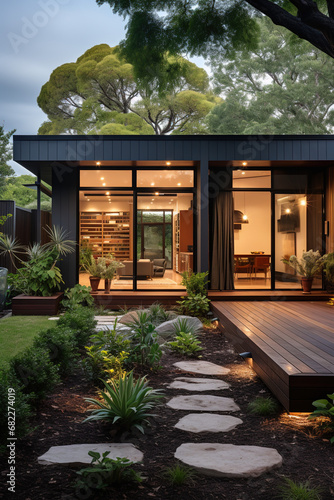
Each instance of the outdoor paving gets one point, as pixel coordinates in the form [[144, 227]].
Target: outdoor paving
[[207, 422], [203, 367], [202, 402], [198, 384]]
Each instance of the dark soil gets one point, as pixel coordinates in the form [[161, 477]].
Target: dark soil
[[306, 455]]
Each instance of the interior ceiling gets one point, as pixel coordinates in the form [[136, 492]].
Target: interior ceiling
[[127, 197], [145, 178], [243, 173]]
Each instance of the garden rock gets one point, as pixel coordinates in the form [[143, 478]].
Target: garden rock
[[78, 453], [198, 384], [228, 460], [166, 330], [203, 367], [132, 316], [207, 422], [201, 402]]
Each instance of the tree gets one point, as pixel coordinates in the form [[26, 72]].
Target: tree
[[277, 88], [199, 27], [5, 156], [23, 196], [99, 93]]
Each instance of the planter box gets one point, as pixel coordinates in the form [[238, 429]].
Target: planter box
[[26, 305]]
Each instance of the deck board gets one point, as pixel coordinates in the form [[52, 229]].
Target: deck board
[[292, 344]]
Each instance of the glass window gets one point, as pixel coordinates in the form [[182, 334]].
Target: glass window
[[165, 178], [247, 179], [105, 178]]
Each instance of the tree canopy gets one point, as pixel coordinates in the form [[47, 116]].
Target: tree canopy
[[276, 88], [99, 93], [202, 27], [5, 156], [24, 197]]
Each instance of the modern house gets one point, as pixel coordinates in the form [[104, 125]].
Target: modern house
[[232, 205]]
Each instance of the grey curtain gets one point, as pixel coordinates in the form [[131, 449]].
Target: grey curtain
[[222, 261]]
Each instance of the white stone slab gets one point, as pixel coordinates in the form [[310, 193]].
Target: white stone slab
[[53, 318], [203, 367], [202, 402], [78, 453], [207, 422], [228, 460], [198, 384]]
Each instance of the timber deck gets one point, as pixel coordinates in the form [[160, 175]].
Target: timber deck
[[292, 346]]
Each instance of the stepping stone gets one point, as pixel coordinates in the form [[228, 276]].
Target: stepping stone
[[201, 402], [207, 422], [53, 318], [228, 460], [198, 384], [78, 453], [203, 367]]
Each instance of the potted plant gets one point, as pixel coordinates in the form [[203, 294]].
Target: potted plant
[[307, 267], [38, 279], [102, 268], [329, 272]]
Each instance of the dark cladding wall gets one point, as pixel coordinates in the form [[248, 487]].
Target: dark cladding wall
[[65, 210]]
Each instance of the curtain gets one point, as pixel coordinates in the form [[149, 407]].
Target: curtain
[[222, 260]]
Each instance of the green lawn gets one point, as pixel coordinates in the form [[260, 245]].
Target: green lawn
[[18, 332]]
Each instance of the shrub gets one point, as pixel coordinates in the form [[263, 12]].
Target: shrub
[[82, 321], [157, 314], [145, 349], [194, 305], [101, 363], [22, 407], [178, 475], [298, 491], [111, 340], [195, 283], [35, 372], [325, 414], [79, 295], [263, 407], [60, 343], [185, 343], [106, 471], [125, 402]]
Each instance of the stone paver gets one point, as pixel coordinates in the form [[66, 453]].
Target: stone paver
[[198, 384], [228, 460], [207, 422], [202, 402], [203, 367], [78, 453]]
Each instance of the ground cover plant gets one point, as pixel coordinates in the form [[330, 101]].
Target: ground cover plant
[[59, 421]]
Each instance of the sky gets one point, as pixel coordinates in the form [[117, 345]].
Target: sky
[[36, 37]]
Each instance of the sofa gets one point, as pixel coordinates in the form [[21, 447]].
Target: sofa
[[159, 267], [144, 269]]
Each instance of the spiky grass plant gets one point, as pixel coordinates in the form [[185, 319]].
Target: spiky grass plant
[[299, 491], [178, 475], [263, 407], [125, 402]]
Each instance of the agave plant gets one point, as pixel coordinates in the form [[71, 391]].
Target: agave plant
[[11, 247], [125, 402]]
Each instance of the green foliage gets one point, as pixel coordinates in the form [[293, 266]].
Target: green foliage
[[277, 88], [298, 491], [329, 268], [38, 276], [324, 413], [5, 156], [100, 363], [34, 370], [79, 295], [145, 349], [85, 255], [100, 93], [178, 475], [60, 343], [82, 321], [103, 267], [186, 343], [105, 471], [21, 406], [23, 196], [263, 407], [3, 219], [111, 340], [194, 305], [309, 264], [157, 314], [195, 283], [125, 402]]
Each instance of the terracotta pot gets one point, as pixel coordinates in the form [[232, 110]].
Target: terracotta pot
[[94, 283], [107, 284], [307, 284]]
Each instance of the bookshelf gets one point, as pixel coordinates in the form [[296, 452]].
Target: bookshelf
[[106, 232]]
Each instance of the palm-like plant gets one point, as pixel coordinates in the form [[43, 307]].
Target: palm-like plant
[[11, 246], [310, 263], [125, 402]]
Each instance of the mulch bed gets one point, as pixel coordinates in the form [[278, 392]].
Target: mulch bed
[[306, 456]]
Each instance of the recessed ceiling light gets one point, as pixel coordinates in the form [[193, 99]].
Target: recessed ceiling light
[[102, 179], [152, 183], [288, 211], [88, 199], [168, 163], [244, 163], [243, 173], [107, 193], [152, 199], [98, 163], [103, 184], [179, 183], [157, 193]]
